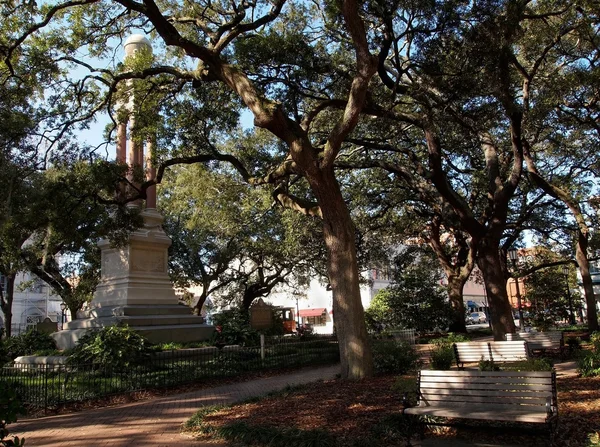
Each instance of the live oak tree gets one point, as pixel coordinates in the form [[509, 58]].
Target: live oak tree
[[548, 295], [415, 298], [568, 127], [402, 208], [15, 228], [73, 211], [19, 120], [50, 227], [206, 34], [467, 87], [232, 240]]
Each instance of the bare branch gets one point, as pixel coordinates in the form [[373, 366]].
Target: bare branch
[[366, 66], [296, 203]]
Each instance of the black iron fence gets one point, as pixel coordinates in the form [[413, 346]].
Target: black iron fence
[[46, 386]]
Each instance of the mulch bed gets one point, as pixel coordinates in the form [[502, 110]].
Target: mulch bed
[[348, 409], [340, 407]]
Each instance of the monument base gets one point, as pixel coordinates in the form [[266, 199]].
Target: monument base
[[135, 289], [157, 323]]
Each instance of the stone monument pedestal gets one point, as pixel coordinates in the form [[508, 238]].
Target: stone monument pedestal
[[135, 289]]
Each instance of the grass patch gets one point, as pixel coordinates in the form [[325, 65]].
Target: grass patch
[[255, 435], [196, 424]]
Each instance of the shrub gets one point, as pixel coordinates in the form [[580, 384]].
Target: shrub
[[574, 344], [595, 341], [29, 343], [539, 364], [4, 357], [588, 362], [10, 408], [172, 345], [406, 387], [114, 346], [487, 365], [234, 328], [391, 356], [442, 354], [593, 440]]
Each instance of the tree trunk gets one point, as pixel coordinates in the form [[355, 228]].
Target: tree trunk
[[74, 310], [248, 298], [455, 295], [588, 287], [355, 352], [8, 302], [197, 309], [488, 260]]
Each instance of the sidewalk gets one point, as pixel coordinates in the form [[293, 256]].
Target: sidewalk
[[150, 423]]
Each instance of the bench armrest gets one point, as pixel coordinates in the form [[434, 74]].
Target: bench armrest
[[549, 407], [411, 399], [405, 401]]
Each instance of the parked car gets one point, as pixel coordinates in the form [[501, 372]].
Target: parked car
[[476, 318]]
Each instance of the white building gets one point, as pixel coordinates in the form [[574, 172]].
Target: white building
[[33, 302]]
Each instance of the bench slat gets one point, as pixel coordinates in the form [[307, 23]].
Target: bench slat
[[488, 380], [540, 340], [485, 392], [479, 387], [490, 413], [436, 399], [503, 374], [499, 351]]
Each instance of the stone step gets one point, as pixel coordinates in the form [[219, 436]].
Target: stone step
[[181, 333], [142, 309], [67, 339], [159, 309], [160, 320], [134, 321], [89, 323]]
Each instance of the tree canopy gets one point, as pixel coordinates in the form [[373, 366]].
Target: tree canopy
[[470, 107], [232, 240]]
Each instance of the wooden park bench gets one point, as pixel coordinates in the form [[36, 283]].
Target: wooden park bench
[[541, 342], [521, 397], [496, 351]]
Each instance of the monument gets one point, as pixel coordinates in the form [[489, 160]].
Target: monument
[[135, 287]]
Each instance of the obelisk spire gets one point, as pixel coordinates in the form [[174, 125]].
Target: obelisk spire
[[135, 156]]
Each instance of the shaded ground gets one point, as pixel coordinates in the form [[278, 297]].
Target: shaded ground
[[348, 410], [153, 423], [146, 395]]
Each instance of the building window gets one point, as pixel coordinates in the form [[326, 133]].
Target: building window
[[316, 321], [382, 274], [3, 283], [37, 286]]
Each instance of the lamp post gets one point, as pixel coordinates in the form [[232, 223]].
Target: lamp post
[[565, 270], [297, 315], [63, 307], [514, 255]]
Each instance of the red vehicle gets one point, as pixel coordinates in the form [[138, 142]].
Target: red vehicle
[[289, 320]]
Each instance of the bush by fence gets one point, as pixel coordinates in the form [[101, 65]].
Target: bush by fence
[[46, 386]]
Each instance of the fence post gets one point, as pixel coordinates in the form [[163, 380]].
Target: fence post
[[262, 346], [45, 369]]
